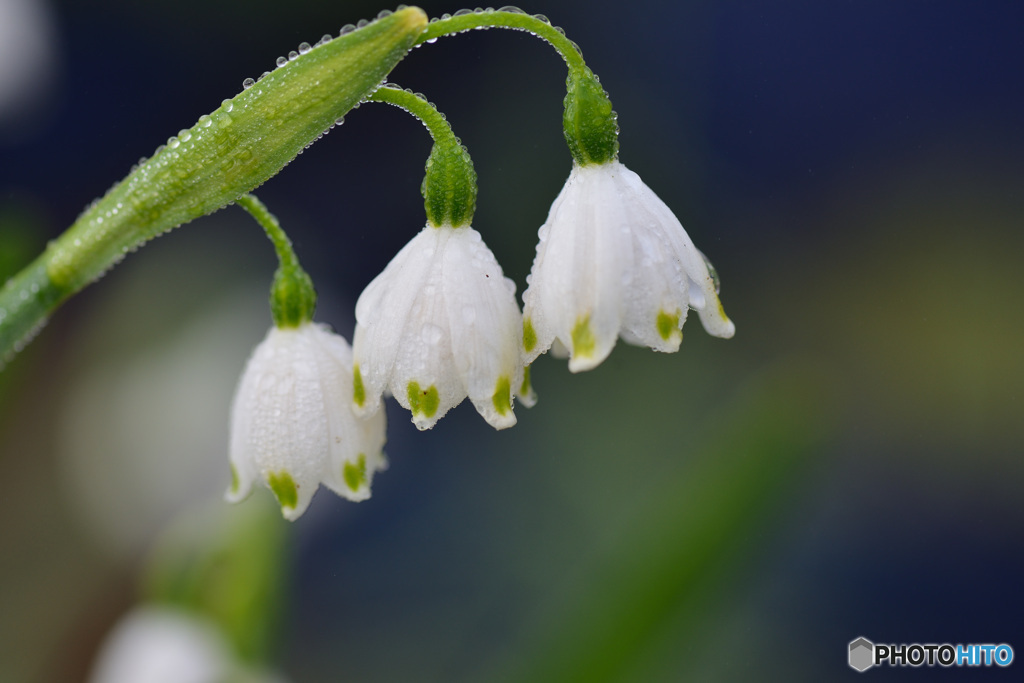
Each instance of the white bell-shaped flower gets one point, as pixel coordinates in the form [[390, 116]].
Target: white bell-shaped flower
[[440, 323], [292, 423], [613, 261]]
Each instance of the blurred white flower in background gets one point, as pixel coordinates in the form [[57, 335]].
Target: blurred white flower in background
[[144, 436], [160, 645], [27, 63], [154, 645]]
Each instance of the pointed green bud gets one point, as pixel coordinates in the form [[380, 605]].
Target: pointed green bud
[[235, 148]]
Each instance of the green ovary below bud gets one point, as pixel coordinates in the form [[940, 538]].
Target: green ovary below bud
[[591, 128], [449, 186], [292, 297]]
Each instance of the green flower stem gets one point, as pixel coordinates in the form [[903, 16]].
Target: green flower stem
[[449, 185], [227, 153], [590, 125], [537, 25], [268, 221], [292, 296]]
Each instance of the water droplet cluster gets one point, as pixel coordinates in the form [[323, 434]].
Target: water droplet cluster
[[507, 9]]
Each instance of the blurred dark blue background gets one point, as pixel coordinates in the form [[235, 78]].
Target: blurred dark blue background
[[854, 171]]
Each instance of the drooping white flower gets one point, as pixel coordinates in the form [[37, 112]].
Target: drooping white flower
[[440, 323], [613, 261], [292, 424]]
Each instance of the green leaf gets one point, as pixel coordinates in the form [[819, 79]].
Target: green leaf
[[656, 576], [227, 564]]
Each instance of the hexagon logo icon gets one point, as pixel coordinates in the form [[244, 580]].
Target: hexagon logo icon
[[862, 654]]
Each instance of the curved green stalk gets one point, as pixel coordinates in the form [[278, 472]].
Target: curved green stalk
[[272, 227], [449, 186], [467, 20], [292, 296], [227, 153], [590, 125]]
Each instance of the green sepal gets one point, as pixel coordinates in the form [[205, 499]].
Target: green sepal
[[590, 124], [449, 186]]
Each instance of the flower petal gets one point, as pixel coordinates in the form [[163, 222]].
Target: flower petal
[[355, 445], [292, 423], [382, 313], [613, 260], [485, 324]]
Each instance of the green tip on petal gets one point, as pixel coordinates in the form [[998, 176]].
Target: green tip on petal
[[525, 388], [285, 488], [668, 324], [583, 341], [423, 401], [234, 479], [358, 390], [502, 398], [354, 473], [529, 335], [721, 311]]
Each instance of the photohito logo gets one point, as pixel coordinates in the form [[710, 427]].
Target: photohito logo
[[864, 654]]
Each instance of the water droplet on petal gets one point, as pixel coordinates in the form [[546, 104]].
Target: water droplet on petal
[[293, 55], [432, 334], [281, 61], [248, 83], [304, 48]]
